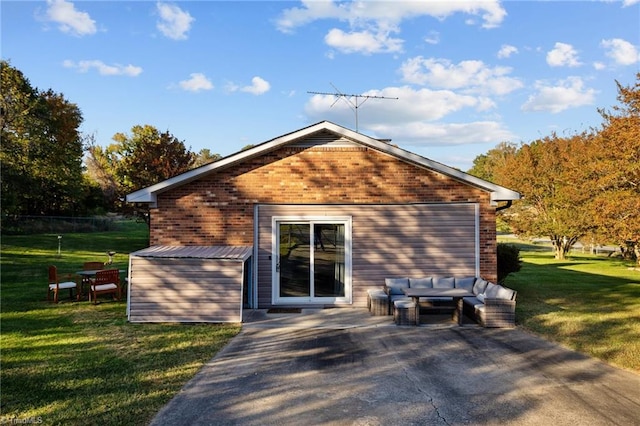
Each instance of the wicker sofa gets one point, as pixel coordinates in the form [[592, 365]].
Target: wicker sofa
[[492, 305]]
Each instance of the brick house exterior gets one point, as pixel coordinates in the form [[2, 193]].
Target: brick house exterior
[[329, 169]]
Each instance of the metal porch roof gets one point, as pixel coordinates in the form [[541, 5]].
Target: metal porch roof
[[237, 253]]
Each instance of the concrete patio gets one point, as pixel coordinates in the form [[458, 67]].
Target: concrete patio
[[344, 367]]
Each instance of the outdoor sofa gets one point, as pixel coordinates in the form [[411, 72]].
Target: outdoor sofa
[[491, 305]]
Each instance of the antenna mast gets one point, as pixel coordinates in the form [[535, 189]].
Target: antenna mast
[[355, 104]]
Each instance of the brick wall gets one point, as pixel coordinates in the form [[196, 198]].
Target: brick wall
[[218, 209]]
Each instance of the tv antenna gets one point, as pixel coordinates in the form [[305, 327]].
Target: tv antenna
[[354, 101]]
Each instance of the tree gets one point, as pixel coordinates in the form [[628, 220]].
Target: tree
[[614, 168], [136, 161], [556, 204], [41, 151], [101, 169], [584, 185], [205, 156], [148, 157], [18, 102], [484, 165]]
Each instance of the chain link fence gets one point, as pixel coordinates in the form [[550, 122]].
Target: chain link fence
[[18, 225]]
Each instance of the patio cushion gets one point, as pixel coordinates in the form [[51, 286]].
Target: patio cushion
[[377, 294], [63, 285], [465, 283], [480, 297], [491, 291], [395, 285], [103, 287], [473, 301], [479, 286], [399, 304], [426, 282], [441, 282], [399, 298], [504, 293]]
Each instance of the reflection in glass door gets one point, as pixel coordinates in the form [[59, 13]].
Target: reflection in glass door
[[311, 262], [294, 260]]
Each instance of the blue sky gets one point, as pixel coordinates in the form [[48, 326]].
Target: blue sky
[[224, 74]]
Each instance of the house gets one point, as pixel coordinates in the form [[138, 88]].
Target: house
[[315, 217]]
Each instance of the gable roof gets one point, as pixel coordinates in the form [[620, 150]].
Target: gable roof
[[149, 194]]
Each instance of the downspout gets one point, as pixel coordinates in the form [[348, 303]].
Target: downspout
[[506, 206]]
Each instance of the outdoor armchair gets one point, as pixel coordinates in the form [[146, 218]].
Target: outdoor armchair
[[107, 281], [60, 282]]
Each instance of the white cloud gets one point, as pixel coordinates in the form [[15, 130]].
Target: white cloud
[[259, 86], [506, 51], [311, 11], [362, 41], [627, 3], [372, 23], [432, 38], [71, 20], [196, 83], [470, 76], [435, 134], [174, 22], [621, 51], [355, 12], [104, 69], [415, 118], [411, 105], [563, 55], [569, 93]]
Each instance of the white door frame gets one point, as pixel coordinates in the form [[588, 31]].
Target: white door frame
[[275, 259]]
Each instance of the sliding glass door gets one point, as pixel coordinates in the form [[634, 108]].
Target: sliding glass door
[[312, 261]]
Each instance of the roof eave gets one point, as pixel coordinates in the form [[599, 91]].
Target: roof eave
[[498, 193], [149, 194]]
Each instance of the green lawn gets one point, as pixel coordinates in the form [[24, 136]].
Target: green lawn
[[587, 303], [78, 363]]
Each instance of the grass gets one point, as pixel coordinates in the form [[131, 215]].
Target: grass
[[76, 363], [588, 303]]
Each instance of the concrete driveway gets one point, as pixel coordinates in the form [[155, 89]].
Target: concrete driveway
[[343, 367]]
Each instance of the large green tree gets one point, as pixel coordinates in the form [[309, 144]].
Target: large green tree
[[41, 150], [148, 156], [137, 160]]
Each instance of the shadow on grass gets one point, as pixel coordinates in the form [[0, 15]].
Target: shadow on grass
[[77, 363], [588, 303], [68, 363]]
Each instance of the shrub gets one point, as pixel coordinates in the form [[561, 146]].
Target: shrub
[[508, 260]]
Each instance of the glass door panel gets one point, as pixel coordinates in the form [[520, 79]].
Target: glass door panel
[[294, 260], [312, 263], [328, 260]]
